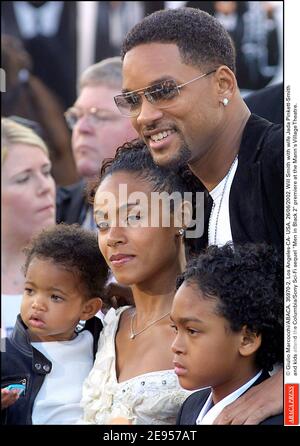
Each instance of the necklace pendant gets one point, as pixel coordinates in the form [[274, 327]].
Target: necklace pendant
[[132, 336]]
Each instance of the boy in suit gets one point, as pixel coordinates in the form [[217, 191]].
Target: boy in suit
[[228, 318]]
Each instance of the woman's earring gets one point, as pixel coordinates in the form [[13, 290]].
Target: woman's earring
[[181, 232], [225, 102]]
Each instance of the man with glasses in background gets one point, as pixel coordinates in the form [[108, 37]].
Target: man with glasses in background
[[97, 131], [180, 91]]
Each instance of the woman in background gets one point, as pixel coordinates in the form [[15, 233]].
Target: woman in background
[[28, 205]]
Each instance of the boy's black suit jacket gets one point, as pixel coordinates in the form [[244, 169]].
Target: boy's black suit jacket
[[190, 409]]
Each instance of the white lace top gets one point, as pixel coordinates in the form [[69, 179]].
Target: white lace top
[[151, 398]]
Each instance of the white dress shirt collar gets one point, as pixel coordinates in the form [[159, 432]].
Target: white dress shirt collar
[[33, 21], [209, 412]]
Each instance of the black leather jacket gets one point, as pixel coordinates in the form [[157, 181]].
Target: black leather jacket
[[256, 197], [22, 363], [71, 203]]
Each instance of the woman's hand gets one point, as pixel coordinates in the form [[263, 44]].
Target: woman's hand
[[118, 295], [257, 404]]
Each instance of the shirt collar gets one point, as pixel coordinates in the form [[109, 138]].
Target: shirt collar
[[209, 412]]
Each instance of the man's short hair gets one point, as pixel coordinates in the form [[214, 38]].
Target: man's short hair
[[201, 39], [108, 72]]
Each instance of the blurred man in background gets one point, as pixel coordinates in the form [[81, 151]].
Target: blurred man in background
[[98, 130]]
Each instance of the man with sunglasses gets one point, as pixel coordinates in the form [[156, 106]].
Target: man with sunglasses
[[97, 130], [181, 94]]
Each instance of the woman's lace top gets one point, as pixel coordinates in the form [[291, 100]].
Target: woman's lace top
[[151, 398]]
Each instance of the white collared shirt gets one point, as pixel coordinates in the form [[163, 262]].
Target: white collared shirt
[[209, 412], [33, 21], [220, 215], [58, 400]]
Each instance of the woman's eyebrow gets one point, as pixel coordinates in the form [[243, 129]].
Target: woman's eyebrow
[[185, 320], [99, 213]]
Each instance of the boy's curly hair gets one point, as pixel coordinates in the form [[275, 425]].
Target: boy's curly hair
[[247, 283], [75, 249]]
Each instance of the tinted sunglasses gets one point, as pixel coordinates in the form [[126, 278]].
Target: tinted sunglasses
[[160, 94]]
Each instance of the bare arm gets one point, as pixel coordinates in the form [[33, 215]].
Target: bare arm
[[258, 403]]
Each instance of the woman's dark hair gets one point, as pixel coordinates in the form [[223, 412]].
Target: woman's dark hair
[[76, 250], [134, 157], [247, 284]]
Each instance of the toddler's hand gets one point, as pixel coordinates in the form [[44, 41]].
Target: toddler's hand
[[120, 420], [8, 397]]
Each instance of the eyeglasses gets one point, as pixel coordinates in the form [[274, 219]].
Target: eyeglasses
[[161, 95], [94, 115]]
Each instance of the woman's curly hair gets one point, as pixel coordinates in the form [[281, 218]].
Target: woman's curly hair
[[247, 283], [134, 157]]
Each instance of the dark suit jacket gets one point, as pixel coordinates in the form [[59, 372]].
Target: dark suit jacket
[[257, 192], [54, 56], [71, 203], [267, 103], [190, 409]]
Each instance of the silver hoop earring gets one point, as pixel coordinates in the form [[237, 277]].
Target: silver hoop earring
[[225, 102]]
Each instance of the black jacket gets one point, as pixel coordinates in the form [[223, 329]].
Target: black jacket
[[256, 197], [22, 363], [268, 103], [71, 203], [190, 409]]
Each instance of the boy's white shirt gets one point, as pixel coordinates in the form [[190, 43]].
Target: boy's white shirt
[[57, 401], [208, 414]]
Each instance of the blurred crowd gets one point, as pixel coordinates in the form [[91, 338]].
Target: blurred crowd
[[47, 45]]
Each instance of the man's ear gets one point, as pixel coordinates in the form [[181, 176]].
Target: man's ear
[[250, 342], [227, 84], [90, 308]]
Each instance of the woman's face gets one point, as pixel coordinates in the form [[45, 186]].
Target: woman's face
[[138, 254], [28, 192]]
